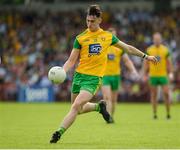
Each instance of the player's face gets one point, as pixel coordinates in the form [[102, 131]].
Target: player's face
[[157, 39], [93, 22]]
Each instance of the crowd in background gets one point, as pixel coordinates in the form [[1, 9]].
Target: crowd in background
[[30, 43]]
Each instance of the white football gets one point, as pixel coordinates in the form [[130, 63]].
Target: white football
[[57, 75]]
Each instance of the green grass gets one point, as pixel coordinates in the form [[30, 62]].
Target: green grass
[[31, 126]]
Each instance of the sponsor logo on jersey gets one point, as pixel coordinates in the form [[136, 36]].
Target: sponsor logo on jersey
[[94, 49]]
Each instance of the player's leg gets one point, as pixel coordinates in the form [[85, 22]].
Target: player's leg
[[88, 87], [166, 93], [91, 84], [165, 89], [100, 106], [154, 81], [106, 92], [86, 107], [153, 95], [114, 94], [114, 100], [82, 98]]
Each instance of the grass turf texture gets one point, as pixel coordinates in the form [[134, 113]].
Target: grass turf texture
[[31, 126]]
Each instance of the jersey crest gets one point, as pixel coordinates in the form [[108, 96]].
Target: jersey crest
[[111, 56]]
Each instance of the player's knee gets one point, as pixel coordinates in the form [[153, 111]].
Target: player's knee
[[77, 107]]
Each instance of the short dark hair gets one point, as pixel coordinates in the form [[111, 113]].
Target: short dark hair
[[94, 10]]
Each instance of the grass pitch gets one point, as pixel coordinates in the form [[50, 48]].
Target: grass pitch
[[31, 125]]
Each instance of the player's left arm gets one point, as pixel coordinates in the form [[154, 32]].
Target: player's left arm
[[134, 51]]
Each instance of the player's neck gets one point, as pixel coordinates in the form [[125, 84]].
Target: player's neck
[[157, 45], [94, 30]]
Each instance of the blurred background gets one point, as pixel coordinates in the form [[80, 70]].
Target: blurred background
[[36, 35]]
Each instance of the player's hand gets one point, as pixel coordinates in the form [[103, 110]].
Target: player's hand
[[171, 76], [152, 59], [135, 76]]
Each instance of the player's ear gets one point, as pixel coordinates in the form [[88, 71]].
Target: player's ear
[[99, 20]]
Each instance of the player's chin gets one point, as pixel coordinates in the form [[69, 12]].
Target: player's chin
[[91, 28]]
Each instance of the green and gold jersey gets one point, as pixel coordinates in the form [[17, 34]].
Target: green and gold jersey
[[93, 48], [161, 52], [113, 62]]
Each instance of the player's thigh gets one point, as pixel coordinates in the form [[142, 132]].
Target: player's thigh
[[165, 85], [153, 90], [165, 89], [106, 91], [91, 84], [82, 98], [153, 93]]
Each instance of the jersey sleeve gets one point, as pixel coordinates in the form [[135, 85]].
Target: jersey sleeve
[[76, 44], [114, 40]]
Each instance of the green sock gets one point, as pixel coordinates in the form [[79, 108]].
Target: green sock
[[97, 108], [61, 130]]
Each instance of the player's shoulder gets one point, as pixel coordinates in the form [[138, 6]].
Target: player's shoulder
[[149, 48], [107, 32]]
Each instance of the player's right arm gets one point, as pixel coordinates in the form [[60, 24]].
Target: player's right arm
[[73, 56], [72, 59]]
